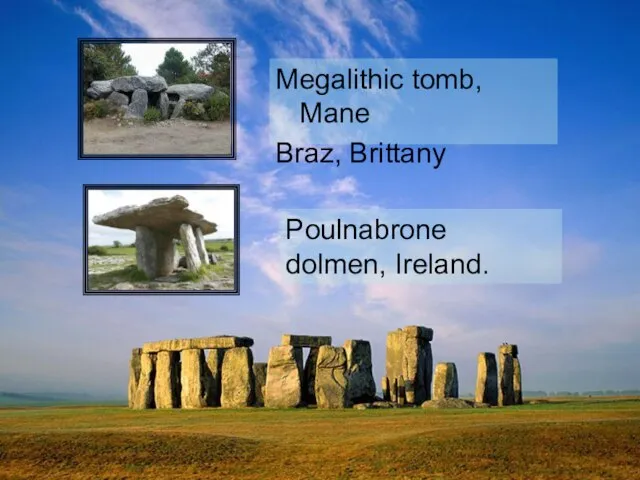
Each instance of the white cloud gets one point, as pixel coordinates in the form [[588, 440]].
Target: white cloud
[[216, 206]]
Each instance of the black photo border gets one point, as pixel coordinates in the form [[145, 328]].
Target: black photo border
[[232, 93], [129, 186]]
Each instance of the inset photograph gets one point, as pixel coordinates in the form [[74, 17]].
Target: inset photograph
[[161, 239], [156, 98]]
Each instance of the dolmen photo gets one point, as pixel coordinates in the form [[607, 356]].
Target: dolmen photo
[[308, 371]]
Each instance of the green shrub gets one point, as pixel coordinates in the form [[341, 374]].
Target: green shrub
[[102, 108], [224, 248], [152, 114], [194, 111], [89, 110], [97, 250], [218, 107]]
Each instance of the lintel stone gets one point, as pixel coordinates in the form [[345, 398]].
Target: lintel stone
[[203, 343], [305, 341]]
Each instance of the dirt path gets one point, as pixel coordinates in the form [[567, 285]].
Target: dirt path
[[171, 137]]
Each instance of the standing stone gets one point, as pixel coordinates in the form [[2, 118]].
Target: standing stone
[[177, 109], [155, 252], [402, 391], [331, 379], [163, 105], [428, 370], [201, 246], [237, 378], [487, 379], [505, 376], [190, 248], [309, 378], [386, 393], [134, 375], [167, 384], [517, 382], [284, 377], [193, 378], [118, 99], [138, 105], [361, 385], [260, 380], [214, 367], [445, 384], [144, 394], [394, 390]]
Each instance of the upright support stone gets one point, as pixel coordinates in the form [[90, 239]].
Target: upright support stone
[[201, 246], [134, 375], [260, 380], [361, 385], [331, 378], [214, 365], [386, 389], [402, 391], [144, 394], [155, 252], [517, 377], [167, 383], [428, 371], [309, 378], [487, 379], [284, 377], [237, 378], [505, 376], [394, 390], [193, 379], [190, 248], [445, 384]]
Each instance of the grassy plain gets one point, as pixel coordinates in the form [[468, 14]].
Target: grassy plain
[[565, 439]]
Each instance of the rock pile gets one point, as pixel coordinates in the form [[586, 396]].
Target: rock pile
[[135, 94]]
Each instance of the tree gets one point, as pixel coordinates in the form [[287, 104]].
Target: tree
[[175, 69], [117, 244], [213, 65], [104, 61]]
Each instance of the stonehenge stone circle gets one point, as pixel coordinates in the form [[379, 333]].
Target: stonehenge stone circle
[[409, 356], [284, 377], [445, 382], [135, 94], [362, 386], [219, 371], [331, 378], [157, 224], [487, 379]]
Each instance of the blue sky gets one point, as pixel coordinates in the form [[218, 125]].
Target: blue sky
[[583, 334]]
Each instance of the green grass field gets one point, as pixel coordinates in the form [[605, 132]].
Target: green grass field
[[565, 439], [214, 246]]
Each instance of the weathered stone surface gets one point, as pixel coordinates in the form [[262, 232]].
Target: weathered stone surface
[[167, 383], [118, 99], [193, 378], [190, 248], [138, 105], [445, 383], [134, 375], [305, 340], [144, 394], [163, 105], [487, 379], [448, 403], [331, 379], [191, 91], [237, 378], [214, 386], [138, 82], [361, 385], [416, 331], [259, 382], [162, 214], [309, 377], [386, 389], [517, 382], [100, 89], [155, 252], [177, 109], [284, 377], [200, 245], [213, 259], [413, 369], [507, 349], [402, 391], [222, 341], [428, 371], [505, 379]]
